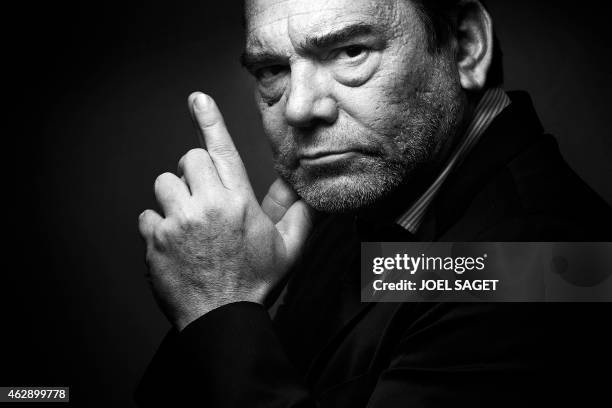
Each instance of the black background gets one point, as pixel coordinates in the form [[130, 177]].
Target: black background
[[99, 110]]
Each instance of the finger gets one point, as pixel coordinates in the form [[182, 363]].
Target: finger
[[295, 227], [171, 193], [216, 139], [198, 171], [279, 199], [147, 222]]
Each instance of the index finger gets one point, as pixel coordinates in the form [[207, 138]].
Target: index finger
[[215, 138]]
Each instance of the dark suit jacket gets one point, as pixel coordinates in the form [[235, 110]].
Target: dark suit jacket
[[325, 348]]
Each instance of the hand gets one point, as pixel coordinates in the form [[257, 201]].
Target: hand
[[214, 244]]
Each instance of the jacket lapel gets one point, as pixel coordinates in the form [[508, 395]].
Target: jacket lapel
[[323, 300], [514, 131]]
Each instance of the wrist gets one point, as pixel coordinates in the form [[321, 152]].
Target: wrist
[[196, 313]]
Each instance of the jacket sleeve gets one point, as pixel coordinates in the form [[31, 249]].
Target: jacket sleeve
[[455, 354], [230, 357]]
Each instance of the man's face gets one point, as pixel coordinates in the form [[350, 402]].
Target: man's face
[[352, 101]]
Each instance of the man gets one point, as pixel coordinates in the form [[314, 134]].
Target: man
[[387, 124]]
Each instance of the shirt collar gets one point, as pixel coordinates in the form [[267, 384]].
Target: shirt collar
[[492, 103]]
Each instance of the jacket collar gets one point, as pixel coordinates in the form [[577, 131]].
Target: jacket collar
[[515, 130]]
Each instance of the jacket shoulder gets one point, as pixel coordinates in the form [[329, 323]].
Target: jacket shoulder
[[535, 196], [545, 200]]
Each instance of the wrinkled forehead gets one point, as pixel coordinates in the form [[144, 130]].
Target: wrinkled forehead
[[273, 20]]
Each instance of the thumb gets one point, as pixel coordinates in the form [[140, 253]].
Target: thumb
[[279, 199], [295, 228]]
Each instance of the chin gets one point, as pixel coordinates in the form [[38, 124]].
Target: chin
[[346, 193]]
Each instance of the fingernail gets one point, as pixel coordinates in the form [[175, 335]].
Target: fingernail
[[201, 102]]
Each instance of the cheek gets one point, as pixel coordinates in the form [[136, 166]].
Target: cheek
[[376, 105], [388, 98], [274, 124]]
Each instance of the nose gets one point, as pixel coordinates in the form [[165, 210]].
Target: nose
[[310, 101]]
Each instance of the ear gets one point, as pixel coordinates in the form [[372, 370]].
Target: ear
[[475, 44]]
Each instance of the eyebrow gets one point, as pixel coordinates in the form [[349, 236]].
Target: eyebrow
[[252, 60], [329, 40]]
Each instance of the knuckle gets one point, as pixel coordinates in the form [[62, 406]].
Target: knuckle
[[142, 218], [240, 204], [161, 237], [196, 153], [186, 218], [192, 156], [143, 223], [181, 165], [162, 180], [223, 213], [193, 160], [210, 122], [223, 150], [215, 213], [150, 258], [238, 210]]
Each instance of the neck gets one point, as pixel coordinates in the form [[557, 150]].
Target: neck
[[391, 206]]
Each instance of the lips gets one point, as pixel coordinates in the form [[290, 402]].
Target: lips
[[319, 154], [327, 157]]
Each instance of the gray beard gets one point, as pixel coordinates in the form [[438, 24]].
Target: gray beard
[[421, 141]]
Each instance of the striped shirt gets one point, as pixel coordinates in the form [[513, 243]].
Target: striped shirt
[[493, 102]]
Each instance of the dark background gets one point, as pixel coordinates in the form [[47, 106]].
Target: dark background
[[100, 111]]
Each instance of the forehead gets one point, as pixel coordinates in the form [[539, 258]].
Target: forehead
[[271, 21]]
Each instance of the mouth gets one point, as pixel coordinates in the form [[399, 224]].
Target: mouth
[[327, 158]]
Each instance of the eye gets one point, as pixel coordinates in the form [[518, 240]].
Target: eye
[[271, 82], [353, 53], [270, 72]]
